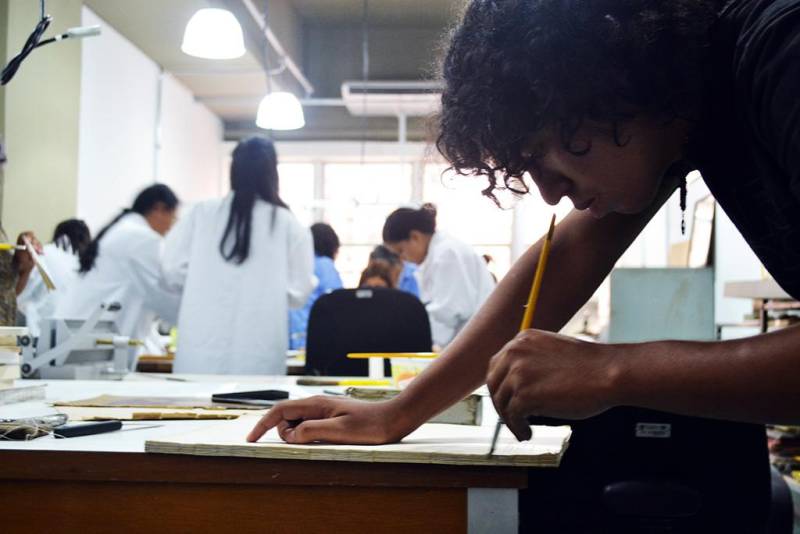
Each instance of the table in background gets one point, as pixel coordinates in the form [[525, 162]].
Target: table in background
[[767, 296], [295, 363]]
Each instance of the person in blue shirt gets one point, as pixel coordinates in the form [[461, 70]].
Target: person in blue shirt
[[326, 247], [403, 271]]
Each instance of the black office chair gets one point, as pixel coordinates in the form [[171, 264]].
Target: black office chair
[[632, 470], [363, 320]]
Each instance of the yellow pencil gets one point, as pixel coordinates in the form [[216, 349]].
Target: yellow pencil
[[533, 296], [527, 318], [11, 247], [365, 355]]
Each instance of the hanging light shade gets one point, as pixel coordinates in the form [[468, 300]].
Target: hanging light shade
[[280, 111], [213, 34]]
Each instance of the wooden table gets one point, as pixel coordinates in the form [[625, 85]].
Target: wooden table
[[107, 483], [767, 296]]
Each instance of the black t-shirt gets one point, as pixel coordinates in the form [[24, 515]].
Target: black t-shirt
[[747, 146]]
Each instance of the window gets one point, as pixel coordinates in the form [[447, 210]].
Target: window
[[296, 185], [463, 212], [357, 200]]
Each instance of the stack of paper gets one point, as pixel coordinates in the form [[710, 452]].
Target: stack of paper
[[10, 366], [10, 358], [467, 412]]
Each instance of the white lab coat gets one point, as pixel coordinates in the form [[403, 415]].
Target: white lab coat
[[128, 271], [36, 302], [454, 282], [234, 317]]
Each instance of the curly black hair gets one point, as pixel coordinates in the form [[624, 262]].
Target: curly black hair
[[517, 68]]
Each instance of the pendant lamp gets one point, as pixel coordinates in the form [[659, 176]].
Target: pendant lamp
[[213, 34], [280, 111]]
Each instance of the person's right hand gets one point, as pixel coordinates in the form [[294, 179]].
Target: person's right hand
[[332, 420], [23, 261]]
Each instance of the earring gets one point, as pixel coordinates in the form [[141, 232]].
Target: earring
[[683, 205]]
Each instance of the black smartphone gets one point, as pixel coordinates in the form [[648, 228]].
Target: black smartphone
[[264, 397]]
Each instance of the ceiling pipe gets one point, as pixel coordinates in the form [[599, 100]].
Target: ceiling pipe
[[223, 100], [291, 66]]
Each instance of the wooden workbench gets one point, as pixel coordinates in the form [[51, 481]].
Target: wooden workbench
[[107, 483], [767, 296]]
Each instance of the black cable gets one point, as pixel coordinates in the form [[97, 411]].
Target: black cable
[[33, 41], [270, 133], [51, 40]]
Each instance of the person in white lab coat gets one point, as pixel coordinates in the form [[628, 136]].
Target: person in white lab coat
[[454, 280], [242, 261], [123, 264], [36, 302]]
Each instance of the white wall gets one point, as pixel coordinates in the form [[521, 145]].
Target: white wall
[[117, 123], [190, 152], [40, 120], [733, 261], [118, 154]]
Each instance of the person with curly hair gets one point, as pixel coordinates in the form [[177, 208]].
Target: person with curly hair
[[610, 104]]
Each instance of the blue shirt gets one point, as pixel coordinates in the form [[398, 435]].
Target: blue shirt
[[329, 279], [408, 282]]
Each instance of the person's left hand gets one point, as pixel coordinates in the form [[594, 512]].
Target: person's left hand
[[22, 258], [540, 373]]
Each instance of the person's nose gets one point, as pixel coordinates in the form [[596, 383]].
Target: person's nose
[[552, 186]]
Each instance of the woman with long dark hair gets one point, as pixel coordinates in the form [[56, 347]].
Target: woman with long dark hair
[[70, 238], [123, 264], [241, 262]]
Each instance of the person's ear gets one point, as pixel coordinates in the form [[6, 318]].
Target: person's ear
[[415, 236]]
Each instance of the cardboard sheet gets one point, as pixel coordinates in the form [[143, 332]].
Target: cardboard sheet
[[79, 413], [430, 444]]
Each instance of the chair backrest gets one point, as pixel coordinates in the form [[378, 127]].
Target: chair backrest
[[637, 470], [363, 320]]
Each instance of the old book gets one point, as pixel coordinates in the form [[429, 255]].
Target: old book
[[10, 356], [8, 335], [10, 372], [429, 444], [468, 411]]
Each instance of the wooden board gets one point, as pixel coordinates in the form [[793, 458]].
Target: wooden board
[[430, 444], [119, 401]]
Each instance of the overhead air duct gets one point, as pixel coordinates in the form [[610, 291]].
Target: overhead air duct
[[392, 98]]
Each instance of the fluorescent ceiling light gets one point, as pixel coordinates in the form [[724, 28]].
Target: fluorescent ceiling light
[[213, 34], [280, 111]]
